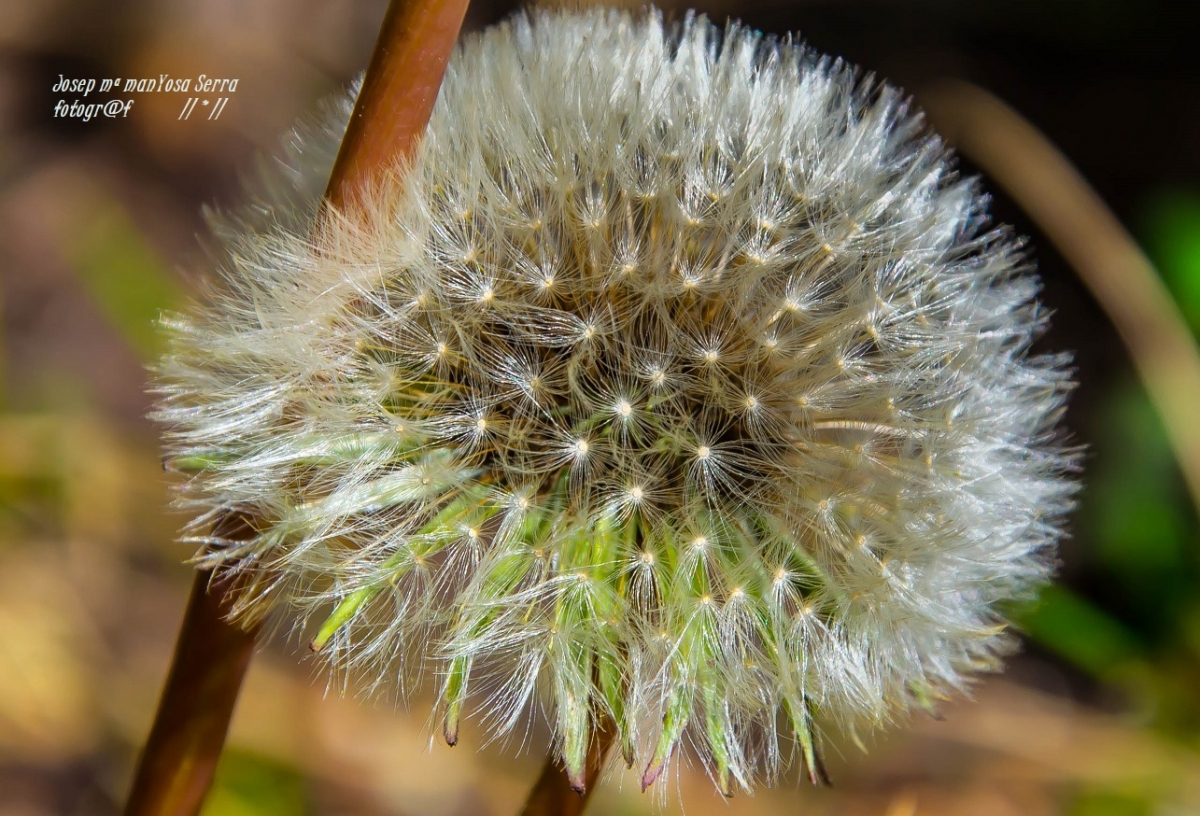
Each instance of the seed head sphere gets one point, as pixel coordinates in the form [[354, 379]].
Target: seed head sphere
[[674, 388]]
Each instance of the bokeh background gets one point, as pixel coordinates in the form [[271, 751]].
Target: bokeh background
[[1099, 715]]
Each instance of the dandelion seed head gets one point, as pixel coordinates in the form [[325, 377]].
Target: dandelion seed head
[[716, 382]]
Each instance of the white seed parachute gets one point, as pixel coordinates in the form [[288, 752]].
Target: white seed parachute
[[677, 384]]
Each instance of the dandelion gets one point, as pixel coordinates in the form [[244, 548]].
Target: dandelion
[[679, 389]]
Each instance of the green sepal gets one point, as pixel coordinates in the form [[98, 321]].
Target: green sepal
[[342, 614], [801, 721], [679, 707], [717, 728], [574, 722], [612, 686], [453, 695]]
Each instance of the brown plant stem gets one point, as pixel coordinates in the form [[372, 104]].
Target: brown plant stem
[[553, 794], [212, 654], [398, 93], [211, 658], [1120, 276]]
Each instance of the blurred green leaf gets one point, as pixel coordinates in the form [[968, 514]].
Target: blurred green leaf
[[123, 274], [1139, 502], [1067, 624], [1107, 803], [247, 785], [1173, 242], [1139, 520]]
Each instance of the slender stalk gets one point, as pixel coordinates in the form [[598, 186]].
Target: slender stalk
[[211, 658], [553, 793], [212, 654], [398, 93], [1120, 276]]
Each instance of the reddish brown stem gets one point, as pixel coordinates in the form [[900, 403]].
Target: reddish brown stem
[[554, 794], [211, 658], [211, 655], [398, 93]]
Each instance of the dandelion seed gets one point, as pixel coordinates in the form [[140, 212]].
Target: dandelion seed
[[718, 406]]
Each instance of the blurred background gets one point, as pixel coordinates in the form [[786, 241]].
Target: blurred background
[[1098, 716]]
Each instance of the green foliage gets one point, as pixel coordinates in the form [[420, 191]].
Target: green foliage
[[1079, 631], [124, 276], [1110, 803], [1140, 523], [1173, 240], [247, 785]]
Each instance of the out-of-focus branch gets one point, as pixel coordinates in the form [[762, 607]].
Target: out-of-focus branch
[[197, 703], [192, 719], [211, 656], [1120, 276]]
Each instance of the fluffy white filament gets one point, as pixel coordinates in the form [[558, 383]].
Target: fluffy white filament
[[675, 384]]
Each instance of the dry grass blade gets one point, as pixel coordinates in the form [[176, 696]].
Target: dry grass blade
[[1070, 213]]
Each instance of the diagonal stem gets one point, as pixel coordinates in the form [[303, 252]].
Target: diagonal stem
[[398, 92], [211, 658], [212, 654]]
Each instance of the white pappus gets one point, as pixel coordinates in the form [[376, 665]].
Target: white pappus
[[676, 387]]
